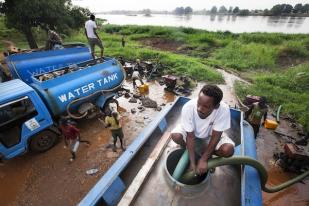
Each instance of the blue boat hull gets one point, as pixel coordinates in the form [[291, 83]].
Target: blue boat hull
[[241, 185]]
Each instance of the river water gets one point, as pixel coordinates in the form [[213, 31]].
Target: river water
[[235, 24]]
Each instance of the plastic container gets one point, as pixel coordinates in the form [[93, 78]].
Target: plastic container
[[92, 171], [270, 124], [143, 88]]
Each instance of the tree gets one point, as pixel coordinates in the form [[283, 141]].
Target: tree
[[179, 11], [305, 8], [244, 12], [213, 10], [147, 12], [188, 10], [287, 8], [24, 15], [297, 8], [266, 12], [230, 9], [236, 10], [277, 9], [222, 10]]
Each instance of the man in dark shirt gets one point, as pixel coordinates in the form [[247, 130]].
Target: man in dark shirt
[[256, 113], [54, 41]]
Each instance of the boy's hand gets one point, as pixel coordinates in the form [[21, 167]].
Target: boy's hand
[[193, 167], [202, 166]]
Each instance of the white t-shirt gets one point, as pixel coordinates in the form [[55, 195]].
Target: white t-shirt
[[90, 26], [135, 74], [218, 120]]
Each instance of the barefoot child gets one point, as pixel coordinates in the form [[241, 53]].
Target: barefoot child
[[113, 122], [71, 136]]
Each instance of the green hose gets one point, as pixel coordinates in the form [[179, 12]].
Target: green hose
[[241, 160], [278, 113], [184, 160], [181, 166]]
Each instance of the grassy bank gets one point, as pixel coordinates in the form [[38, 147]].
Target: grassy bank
[[174, 63], [265, 59], [289, 88], [247, 51]]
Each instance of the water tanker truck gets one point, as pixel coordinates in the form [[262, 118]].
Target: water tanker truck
[[28, 112]]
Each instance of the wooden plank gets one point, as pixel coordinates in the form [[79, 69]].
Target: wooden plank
[[136, 184]]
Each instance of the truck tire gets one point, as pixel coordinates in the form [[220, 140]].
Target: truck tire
[[43, 141]]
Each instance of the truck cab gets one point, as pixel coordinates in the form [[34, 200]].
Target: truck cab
[[25, 122]]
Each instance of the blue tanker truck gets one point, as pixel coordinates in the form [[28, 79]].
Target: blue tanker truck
[[30, 108]]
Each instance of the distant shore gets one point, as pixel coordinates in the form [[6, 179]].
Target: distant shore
[[217, 14]]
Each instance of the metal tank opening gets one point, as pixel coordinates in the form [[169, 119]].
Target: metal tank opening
[[189, 187]]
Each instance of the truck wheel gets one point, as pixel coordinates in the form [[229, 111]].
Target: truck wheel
[[43, 141]]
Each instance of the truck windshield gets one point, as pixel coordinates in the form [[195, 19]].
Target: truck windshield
[[12, 116]]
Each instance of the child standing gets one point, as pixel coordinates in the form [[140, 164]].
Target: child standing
[[113, 122], [136, 76], [71, 136]]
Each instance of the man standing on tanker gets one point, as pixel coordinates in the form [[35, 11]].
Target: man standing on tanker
[[203, 121], [92, 36]]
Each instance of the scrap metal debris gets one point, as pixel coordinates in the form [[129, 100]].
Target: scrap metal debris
[[147, 102], [294, 158]]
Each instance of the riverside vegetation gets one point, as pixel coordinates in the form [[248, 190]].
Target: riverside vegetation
[[275, 64]]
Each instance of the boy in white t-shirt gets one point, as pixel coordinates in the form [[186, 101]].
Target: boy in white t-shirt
[[136, 76], [203, 120], [92, 36]]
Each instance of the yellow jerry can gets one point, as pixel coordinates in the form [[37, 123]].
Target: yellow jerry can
[[143, 88], [270, 124]]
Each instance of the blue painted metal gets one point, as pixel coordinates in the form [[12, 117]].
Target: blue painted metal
[[16, 89], [251, 194], [97, 192], [114, 192], [24, 65], [163, 125], [250, 181], [57, 93]]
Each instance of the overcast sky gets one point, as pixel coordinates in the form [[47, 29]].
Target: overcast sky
[[107, 5]]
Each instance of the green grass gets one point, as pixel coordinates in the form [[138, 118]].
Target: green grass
[[174, 63], [246, 56], [289, 88], [237, 51]]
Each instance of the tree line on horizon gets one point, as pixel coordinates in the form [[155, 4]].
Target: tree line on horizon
[[276, 10]]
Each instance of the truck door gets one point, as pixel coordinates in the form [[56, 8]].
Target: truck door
[[13, 115]]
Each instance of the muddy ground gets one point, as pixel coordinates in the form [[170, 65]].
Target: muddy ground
[[50, 179], [37, 179]]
